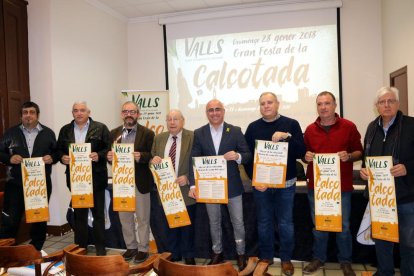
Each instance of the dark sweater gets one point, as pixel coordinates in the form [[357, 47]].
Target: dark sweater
[[262, 130]]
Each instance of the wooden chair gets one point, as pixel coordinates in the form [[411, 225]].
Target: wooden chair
[[77, 263], [5, 242], [24, 255], [165, 267]]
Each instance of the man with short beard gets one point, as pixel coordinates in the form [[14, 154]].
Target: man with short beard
[[132, 132]]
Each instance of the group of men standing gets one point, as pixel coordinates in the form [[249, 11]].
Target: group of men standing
[[389, 134]]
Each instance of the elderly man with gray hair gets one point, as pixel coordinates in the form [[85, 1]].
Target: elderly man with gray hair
[[392, 134], [83, 129]]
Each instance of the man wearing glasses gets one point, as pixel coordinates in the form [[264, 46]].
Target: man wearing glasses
[[132, 132], [391, 133], [221, 138]]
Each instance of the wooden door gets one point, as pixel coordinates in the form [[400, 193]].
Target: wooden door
[[398, 79], [14, 65]]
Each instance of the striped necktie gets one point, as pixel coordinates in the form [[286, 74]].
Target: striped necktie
[[173, 150]]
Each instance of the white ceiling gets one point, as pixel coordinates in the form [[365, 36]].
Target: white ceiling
[[143, 8]]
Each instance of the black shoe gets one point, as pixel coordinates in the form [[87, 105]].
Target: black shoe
[[189, 261], [241, 262], [216, 259], [140, 257], [129, 254]]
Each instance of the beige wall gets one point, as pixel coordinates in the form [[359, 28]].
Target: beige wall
[[398, 41], [76, 52]]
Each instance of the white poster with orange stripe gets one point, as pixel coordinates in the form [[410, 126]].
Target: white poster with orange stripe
[[35, 190], [327, 189], [382, 199], [123, 177], [210, 174], [81, 181], [170, 193], [270, 164]]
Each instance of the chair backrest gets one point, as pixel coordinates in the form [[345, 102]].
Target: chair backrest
[[77, 263], [20, 255], [168, 268], [5, 242]]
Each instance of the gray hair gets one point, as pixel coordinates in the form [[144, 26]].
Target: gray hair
[[175, 110], [81, 102], [131, 102], [268, 93], [386, 89]]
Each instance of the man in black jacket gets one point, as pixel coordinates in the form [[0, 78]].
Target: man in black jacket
[[26, 140], [391, 134], [84, 130]]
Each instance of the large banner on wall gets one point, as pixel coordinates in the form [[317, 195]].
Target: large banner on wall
[[153, 106]]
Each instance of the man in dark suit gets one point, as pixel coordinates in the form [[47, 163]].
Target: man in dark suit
[[179, 241], [142, 138], [221, 138], [85, 130]]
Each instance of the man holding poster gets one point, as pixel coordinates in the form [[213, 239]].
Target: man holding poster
[[332, 134], [391, 134], [134, 133], [83, 129], [177, 144], [276, 204], [222, 139], [26, 140]]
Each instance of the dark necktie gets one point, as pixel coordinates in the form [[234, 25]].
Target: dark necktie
[[173, 149]]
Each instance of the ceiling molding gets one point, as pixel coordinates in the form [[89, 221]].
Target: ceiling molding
[[107, 10], [247, 9]]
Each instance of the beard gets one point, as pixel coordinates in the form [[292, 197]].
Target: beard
[[130, 123]]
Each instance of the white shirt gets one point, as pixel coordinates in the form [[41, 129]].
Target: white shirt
[[170, 141]]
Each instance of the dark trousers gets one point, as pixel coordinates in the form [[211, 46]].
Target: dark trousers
[[81, 222], [179, 241], [12, 215]]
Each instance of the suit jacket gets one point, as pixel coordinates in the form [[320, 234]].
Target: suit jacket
[[232, 139], [158, 149], [98, 136], [143, 143]]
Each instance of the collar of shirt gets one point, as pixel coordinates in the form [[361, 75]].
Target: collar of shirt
[[389, 125], [133, 129], [179, 135], [272, 120], [128, 136], [86, 126], [217, 130], [38, 127]]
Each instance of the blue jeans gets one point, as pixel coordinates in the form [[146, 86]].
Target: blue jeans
[[275, 205], [235, 207], [343, 239], [384, 249]]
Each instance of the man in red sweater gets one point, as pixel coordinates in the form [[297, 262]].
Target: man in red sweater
[[332, 134]]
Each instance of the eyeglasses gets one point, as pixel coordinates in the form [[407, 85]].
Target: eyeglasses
[[387, 102], [217, 109], [173, 119], [130, 112]]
